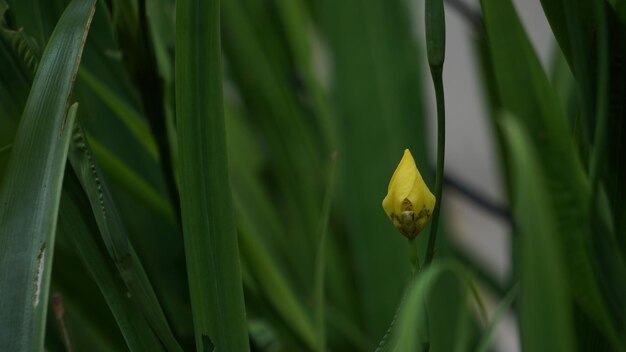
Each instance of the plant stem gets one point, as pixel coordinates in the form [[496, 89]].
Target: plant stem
[[435, 24], [437, 75], [413, 257]]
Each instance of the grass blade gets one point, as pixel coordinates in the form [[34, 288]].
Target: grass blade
[[206, 203], [31, 189]]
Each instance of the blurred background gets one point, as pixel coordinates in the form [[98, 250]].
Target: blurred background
[[471, 152]]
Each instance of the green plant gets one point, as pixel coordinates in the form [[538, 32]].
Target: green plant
[[222, 190]]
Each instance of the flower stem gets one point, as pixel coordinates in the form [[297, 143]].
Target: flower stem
[[437, 75], [435, 24], [413, 258]]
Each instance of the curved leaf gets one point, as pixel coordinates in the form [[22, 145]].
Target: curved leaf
[[545, 316], [31, 189]]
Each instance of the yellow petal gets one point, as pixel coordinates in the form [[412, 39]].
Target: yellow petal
[[409, 203]]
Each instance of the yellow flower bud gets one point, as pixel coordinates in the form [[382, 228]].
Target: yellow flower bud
[[409, 203]]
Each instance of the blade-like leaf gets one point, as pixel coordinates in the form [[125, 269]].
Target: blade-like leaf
[[272, 284], [502, 308], [116, 239], [415, 329], [206, 204], [77, 223], [545, 317], [525, 91], [31, 189]]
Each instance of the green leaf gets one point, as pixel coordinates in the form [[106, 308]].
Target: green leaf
[[574, 27], [502, 308], [526, 93], [31, 189], [271, 281], [131, 181], [320, 262], [206, 201], [115, 238], [545, 317], [265, 76], [28, 15], [619, 6], [136, 125], [77, 223], [417, 326]]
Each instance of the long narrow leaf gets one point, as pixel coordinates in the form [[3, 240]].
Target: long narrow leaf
[[116, 239], [206, 203], [77, 223], [545, 316], [525, 92], [31, 189], [411, 331]]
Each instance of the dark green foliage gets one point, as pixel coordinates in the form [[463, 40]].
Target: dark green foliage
[[229, 161]]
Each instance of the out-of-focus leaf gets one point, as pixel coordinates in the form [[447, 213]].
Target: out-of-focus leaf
[[502, 308], [31, 188], [545, 317], [619, 6], [376, 89], [28, 15], [271, 282], [138, 127], [527, 94], [574, 27], [416, 328], [271, 86]]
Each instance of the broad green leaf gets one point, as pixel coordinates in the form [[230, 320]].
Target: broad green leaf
[[31, 188], [546, 321], [24, 304], [206, 201]]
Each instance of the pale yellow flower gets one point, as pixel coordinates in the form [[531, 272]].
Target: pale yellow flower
[[409, 203]]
